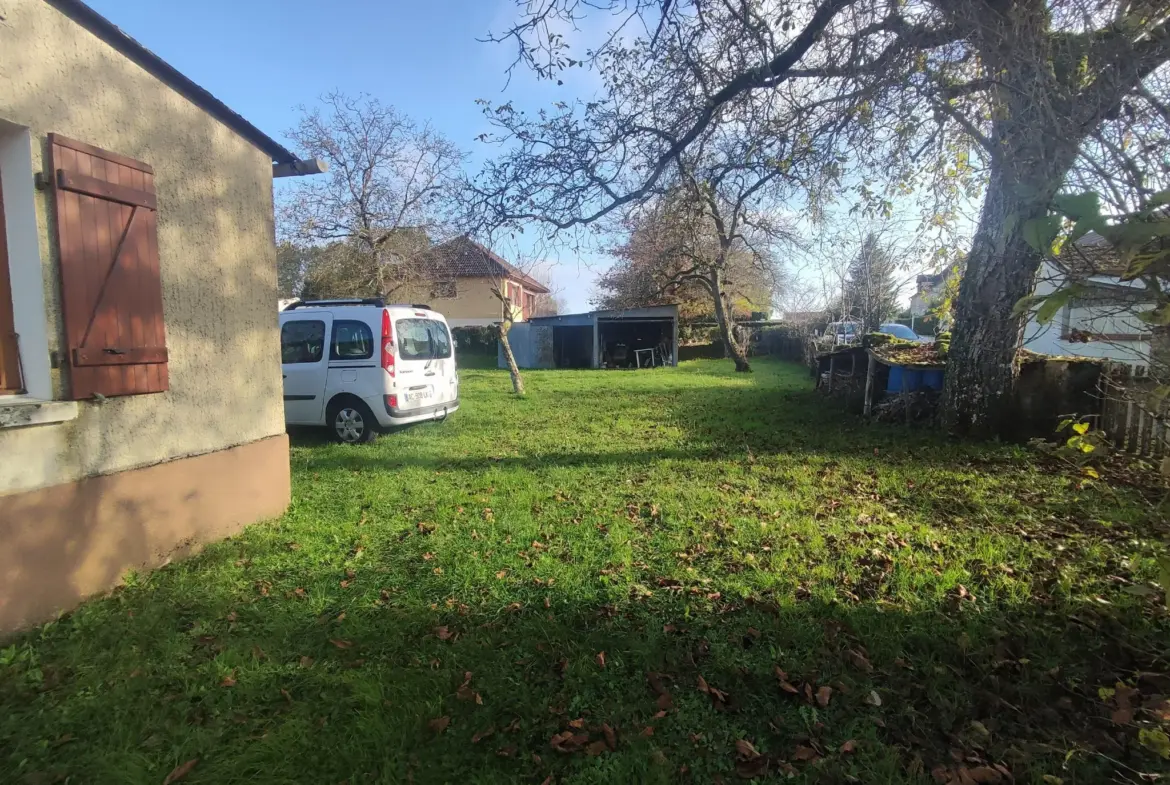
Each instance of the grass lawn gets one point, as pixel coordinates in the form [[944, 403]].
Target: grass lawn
[[676, 575]]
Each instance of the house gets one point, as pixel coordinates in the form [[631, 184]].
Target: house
[[141, 413], [929, 291], [1102, 321], [463, 273]]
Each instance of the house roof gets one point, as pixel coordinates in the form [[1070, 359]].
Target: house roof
[[465, 258], [1091, 255], [110, 33]]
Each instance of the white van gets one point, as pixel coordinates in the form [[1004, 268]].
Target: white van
[[360, 366]]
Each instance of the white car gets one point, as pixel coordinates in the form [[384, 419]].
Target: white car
[[360, 366]]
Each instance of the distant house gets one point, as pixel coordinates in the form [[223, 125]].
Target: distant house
[[929, 292], [140, 392], [1102, 321], [463, 273]]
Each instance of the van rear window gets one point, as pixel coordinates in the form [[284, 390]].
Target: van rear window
[[422, 339]]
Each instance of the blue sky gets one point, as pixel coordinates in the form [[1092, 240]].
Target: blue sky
[[264, 58]]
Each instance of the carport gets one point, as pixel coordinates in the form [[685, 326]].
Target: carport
[[630, 338]]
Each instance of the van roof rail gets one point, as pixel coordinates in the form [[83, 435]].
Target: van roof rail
[[420, 305], [376, 301]]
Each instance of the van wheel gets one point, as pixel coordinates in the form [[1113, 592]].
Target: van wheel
[[352, 422]]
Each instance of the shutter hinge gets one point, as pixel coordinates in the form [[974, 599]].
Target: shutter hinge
[[42, 182]]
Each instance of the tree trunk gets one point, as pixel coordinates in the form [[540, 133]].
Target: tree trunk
[[513, 370], [1001, 268], [727, 326]]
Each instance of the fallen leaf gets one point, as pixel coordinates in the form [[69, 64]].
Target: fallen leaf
[[443, 634], [873, 699], [656, 683], [804, 753], [501, 574], [506, 752], [859, 661], [750, 769], [659, 715], [823, 696], [341, 644], [287, 695], [746, 749], [648, 731], [600, 658], [982, 775], [568, 741], [483, 734], [306, 662], [668, 628], [610, 736], [848, 747], [703, 688], [428, 556], [439, 724], [596, 748], [577, 724], [228, 681], [664, 702], [180, 771]]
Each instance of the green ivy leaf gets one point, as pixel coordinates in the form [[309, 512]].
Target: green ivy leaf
[[1040, 232], [1025, 304], [1157, 316], [1082, 428], [1078, 206], [1156, 741], [1055, 301]]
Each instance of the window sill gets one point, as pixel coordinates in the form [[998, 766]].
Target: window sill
[[22, 411]]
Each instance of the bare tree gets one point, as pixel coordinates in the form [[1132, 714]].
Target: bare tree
[[391, 188], [950, 95]]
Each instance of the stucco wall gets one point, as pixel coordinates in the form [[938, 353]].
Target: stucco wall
[[473, 300], [216, 246]]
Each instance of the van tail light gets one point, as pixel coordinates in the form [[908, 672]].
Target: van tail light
[[387, 344], [391, 401]]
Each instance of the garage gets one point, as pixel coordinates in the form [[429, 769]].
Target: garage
[[631, 338]]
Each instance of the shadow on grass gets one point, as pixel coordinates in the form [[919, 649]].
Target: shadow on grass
[[261, 683]]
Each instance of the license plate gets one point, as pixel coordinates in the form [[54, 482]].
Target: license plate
[[420, 395]]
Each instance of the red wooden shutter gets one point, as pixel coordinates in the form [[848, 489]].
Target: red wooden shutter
[[111, 292], [9, 351]]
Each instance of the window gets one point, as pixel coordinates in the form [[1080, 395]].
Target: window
[[422, 339], [443, 290], [351, 341], [302, 341], [9, 351]]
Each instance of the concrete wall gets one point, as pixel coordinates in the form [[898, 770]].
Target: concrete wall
[[215, 242]]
